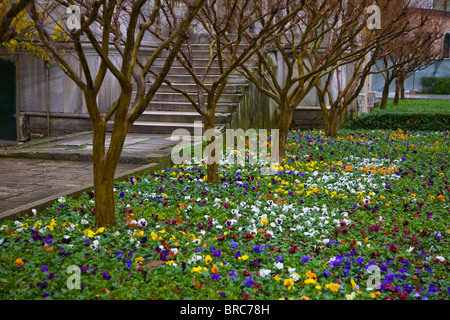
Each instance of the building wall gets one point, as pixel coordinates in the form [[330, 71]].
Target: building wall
[[50, 92]]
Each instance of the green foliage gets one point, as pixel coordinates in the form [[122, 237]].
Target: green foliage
[[419, 115], [25, 33], [434, 85]]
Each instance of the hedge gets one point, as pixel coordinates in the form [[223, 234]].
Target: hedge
[[434, 85], [393, 120]]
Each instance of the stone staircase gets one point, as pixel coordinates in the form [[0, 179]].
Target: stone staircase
[[170, 110]]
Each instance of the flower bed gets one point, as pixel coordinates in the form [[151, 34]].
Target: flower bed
[[337, 210]]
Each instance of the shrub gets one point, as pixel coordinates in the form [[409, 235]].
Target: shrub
[[434, 85], [418, 115], [392, 120]]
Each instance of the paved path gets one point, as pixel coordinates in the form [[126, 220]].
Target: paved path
[[36, 173], [25, 181]]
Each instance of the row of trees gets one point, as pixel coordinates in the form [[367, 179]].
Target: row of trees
[[325, 46]]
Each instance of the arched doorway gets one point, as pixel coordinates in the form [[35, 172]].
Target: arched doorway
[[446, 49]]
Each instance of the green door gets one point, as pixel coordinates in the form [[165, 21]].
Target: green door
[[8, 117]]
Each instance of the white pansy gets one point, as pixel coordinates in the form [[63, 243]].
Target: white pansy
[[195, 258], [142, 222], [264, 272], [279, 265]]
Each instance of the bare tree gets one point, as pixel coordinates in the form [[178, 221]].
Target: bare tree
[[410, 52], [342, 86], [328, 35], [236, 30], [304, 59], [116, 30]]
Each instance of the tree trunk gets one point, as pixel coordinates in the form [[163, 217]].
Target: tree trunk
[[104, 171], [212, 167], [283, 126], [331, 126], [397, 92], [402, 88], [385, 96]]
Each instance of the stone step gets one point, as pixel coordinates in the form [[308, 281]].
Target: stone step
[[186, 106], [182, 117], [180, 78], [178, 97], [192, 87], [204, 53], [199, 70], [163, 127], [196, 62]]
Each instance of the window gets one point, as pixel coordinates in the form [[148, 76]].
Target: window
[[441, 5], [446, 48]]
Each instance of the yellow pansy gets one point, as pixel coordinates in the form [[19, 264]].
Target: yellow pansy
[[196, 269], [333, 287], [353, 284], [139, 260], [288, 282]]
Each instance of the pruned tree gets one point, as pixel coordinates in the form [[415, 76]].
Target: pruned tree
[[116, 31], [303, 67], [327, 36], [341, 86], [235, 31], [410, 52]]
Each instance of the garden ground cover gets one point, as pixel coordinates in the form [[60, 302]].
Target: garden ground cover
[[336, 208], [417, 105]]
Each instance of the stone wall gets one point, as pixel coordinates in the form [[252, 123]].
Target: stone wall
[[50, 92]]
